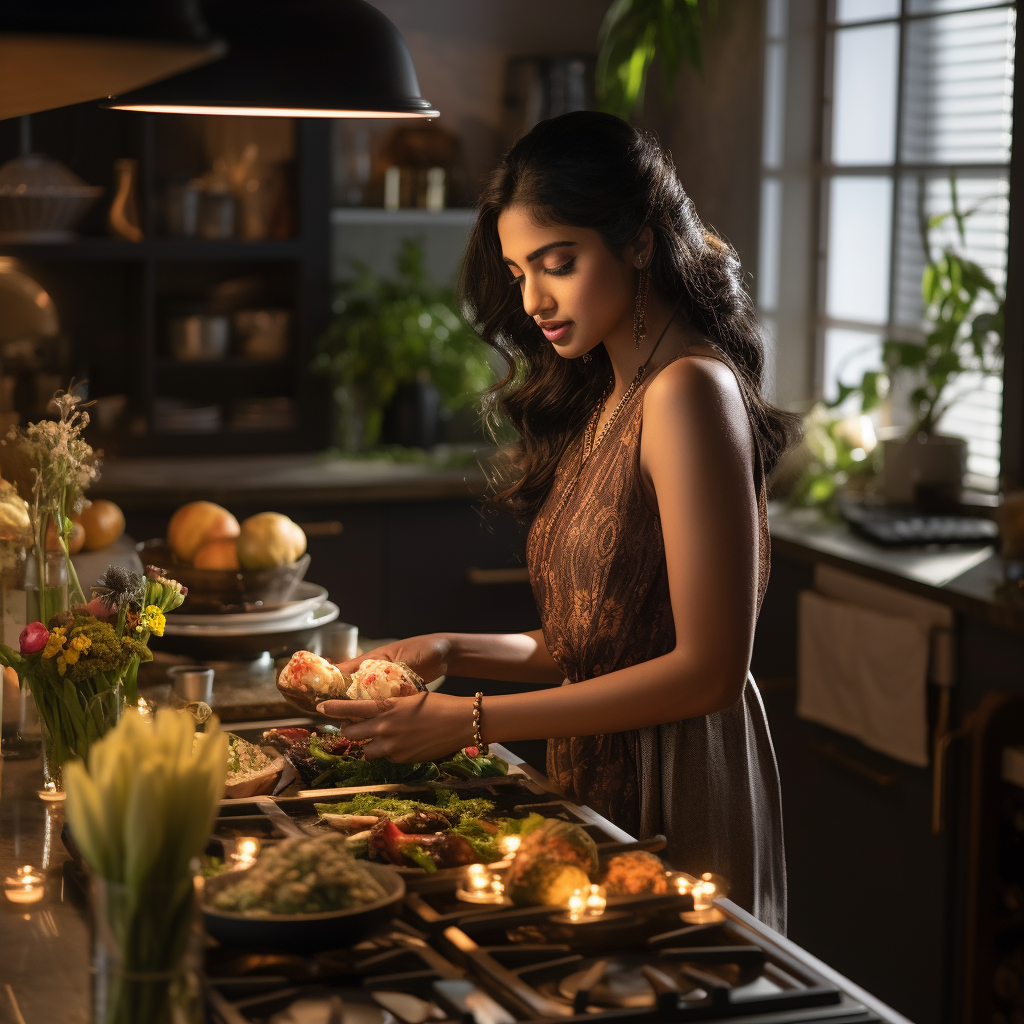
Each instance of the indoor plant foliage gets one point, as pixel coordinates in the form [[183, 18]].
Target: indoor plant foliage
[[386, 333], [140, 810], [964, 334], [633, 34]]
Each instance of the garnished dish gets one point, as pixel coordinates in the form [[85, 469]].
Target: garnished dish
[[300, 895], [251, 769], [308, 679], [300, 876], [448, 833], [324, 759]]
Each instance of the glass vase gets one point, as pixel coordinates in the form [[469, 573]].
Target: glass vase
[[70, 721], [44, 601], [146, 953]]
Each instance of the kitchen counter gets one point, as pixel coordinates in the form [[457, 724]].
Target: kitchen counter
[[965, 577], [158, 483], [44, 946]]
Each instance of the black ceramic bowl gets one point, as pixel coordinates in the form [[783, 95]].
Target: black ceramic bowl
[[221, 591], [304, 933]]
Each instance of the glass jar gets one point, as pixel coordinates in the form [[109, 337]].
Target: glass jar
[[146, 953]]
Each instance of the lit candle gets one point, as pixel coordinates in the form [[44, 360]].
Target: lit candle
[[479, 885], [509, 845], [247, 849], [25, 887], [577, 904], [596, 901]]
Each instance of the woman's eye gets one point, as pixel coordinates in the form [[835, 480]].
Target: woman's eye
[[517, 282], [565, 268]]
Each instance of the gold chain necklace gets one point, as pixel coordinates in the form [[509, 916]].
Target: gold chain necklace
[[590, 442]]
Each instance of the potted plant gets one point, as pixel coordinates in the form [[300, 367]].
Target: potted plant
[[403, 337], [964, 314]]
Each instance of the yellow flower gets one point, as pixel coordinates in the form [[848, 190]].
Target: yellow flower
[[55, 643], [152, 619], [80, 643]]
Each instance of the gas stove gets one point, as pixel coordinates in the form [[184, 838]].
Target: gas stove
[[641, 964]]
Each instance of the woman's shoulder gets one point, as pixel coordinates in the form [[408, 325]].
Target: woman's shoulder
[[700, 380]]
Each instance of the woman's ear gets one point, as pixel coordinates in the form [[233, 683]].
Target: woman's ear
[[642, 250]]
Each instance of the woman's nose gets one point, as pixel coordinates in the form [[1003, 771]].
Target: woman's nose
[[535, 299]]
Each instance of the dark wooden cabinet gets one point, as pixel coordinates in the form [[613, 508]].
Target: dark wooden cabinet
[[398, 569]]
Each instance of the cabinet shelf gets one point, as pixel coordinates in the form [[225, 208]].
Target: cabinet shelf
[[115, 250], [232, 364], [454, 217]]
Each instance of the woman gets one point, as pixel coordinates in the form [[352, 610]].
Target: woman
[[635, 367]]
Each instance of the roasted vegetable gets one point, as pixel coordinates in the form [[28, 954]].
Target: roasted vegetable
[[557, 840], [389, 843], [544, 882], [629, 874]]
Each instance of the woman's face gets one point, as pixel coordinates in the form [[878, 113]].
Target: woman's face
[[577, 291]]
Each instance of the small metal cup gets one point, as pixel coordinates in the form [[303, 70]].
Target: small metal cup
[[338, 642], [192, 683]]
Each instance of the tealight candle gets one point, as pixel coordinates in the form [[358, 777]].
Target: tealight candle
[[247, 849], [25, 887], [596, 901], [509, 845], [479, 885], [577, 904]]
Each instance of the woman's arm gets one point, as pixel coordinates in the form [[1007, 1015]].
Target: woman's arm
[[697, 455], [512, 657]]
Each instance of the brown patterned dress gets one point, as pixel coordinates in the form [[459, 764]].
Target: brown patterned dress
[[709, 784]]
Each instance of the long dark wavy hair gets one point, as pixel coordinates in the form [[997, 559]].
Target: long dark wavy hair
[[594, 170]]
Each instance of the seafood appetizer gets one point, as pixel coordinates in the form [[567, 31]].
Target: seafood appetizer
[[308, 679]]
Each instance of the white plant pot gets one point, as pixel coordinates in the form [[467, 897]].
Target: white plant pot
[[932, 460]]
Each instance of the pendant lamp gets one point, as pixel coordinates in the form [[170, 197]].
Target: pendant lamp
[[57, 52], [295, 58]]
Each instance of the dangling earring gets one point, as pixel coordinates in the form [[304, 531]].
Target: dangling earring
[[640, 310]]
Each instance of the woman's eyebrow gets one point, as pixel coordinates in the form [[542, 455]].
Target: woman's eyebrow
[[537, 253]]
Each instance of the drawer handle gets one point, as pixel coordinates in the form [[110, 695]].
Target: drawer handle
[[832, 753], [490, 577], [329, 528]]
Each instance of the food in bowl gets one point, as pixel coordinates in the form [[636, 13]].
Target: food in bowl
[[378, 678], [301, 876], [268, 540], [196, 524]]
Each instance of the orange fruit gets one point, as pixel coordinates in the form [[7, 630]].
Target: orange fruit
[[217, 554], [196, 524], [103, 522], [76, 540]]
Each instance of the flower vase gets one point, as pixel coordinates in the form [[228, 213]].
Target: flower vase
[[146, 953], [70, 721], [44, 601]]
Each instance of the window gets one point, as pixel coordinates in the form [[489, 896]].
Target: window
[[907, 95]]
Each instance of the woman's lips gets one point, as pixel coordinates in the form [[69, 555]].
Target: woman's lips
[[555, 330]]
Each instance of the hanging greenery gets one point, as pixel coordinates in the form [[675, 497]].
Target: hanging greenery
[[633, 34]]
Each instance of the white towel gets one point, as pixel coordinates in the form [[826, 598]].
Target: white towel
[[863, 673]]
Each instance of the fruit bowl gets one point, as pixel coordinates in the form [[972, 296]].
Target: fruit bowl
[[220, 591]]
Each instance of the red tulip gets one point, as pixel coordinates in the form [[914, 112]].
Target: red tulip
[[33, 638]]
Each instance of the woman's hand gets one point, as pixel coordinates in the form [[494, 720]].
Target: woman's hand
[[423, 727], [426, 655]]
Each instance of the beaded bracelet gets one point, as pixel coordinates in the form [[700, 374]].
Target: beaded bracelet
[[478, 740]]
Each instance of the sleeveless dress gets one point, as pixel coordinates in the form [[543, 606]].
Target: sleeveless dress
[[597, 566]]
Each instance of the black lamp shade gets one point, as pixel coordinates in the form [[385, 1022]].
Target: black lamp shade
[[57, 52], [295, 58]]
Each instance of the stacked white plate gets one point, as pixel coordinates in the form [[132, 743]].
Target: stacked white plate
[[309, 609]]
